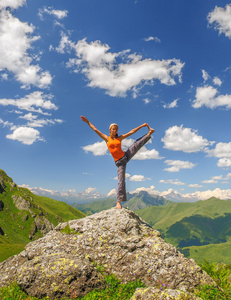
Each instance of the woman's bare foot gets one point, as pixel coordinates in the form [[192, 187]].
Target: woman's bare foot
[[118, 205], [151, 131]]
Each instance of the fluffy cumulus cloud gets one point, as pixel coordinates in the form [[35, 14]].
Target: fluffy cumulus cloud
[[217, 81], [151, 190], [26, 135], [178, 138], [118, 73], [33, 121], [138, 178], [207, 96], [97, 149], [14, 4], [223, 152], [35, 102], [224, 163], [220, 17], [60, 14], [16, 36], [218, 193], [177, 165], [220, 150]]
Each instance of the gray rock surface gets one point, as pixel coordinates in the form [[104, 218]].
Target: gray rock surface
[[119, 240]]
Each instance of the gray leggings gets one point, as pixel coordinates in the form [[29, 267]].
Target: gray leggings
[[122, 162]]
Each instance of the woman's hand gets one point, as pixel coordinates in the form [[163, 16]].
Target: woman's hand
[[84, 119], [144, 125]]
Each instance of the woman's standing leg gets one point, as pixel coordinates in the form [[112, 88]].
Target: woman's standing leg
[[121, 188]]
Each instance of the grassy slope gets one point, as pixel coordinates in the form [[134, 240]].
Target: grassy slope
[[195, 223], [16, 224], [219, 253], [162, 217]]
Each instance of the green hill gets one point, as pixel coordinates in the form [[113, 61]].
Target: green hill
[[219, 253], [134, 202], [188, 225], [25, 216]]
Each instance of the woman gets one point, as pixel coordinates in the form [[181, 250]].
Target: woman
[[121, 158]]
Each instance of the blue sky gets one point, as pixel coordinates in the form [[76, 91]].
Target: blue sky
[[166, 63]]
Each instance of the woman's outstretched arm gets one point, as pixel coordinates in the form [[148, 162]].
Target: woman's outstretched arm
[[103, 136], [124, 136]]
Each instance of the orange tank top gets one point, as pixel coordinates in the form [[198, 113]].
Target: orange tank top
[[114, 146]]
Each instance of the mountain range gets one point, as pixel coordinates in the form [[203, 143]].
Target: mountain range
[[134, 202], [91, 195]]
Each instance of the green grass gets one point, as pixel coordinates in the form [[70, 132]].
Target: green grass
[[7, 250], [213, 253], [221, 274]]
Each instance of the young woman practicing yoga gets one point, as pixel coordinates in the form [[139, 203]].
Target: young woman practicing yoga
[[121, 158]]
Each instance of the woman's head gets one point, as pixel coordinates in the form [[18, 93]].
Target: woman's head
[[113, 129]]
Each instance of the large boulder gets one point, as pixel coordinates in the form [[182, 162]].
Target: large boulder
[[118, 240]]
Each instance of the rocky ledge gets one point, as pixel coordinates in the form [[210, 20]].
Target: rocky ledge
[[64, 264]]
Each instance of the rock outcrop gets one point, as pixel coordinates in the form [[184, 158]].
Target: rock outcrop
[[61, 264]]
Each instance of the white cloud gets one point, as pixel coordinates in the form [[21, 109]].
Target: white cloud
[[103, 71], [32, 102], [146, 101], [204, 195], [33, 121], [224, 163], [205, 75], [206, 96], [178, 138], [16, 36], [173, 104], [172, 181], [26, 135], [195, 185], [177, 165], [222, 150], [221, 17], [138, 178], [7, 124], [60, 14], [98, 148], [217, 81], [112, 193], [4, 76], [11, 3], [152, 38], [210, 181], [151, 190]]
